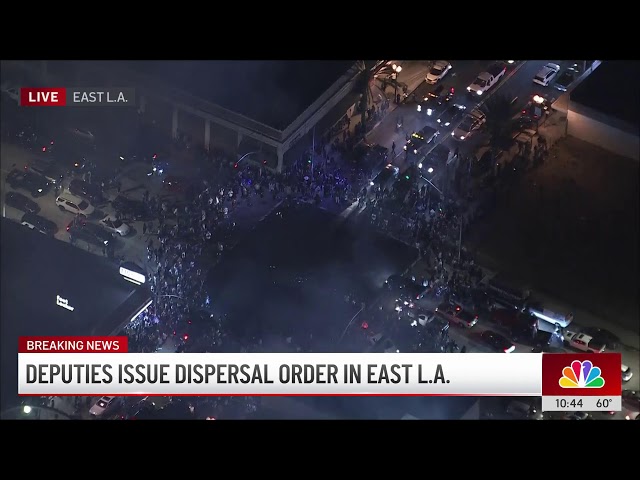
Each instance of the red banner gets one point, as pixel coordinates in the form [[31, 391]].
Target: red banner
[[582, 374], [73, 345], [43, 97]]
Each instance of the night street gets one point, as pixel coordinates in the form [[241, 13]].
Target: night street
[[337, 250]]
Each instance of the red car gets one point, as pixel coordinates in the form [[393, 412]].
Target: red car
[[175, 184]]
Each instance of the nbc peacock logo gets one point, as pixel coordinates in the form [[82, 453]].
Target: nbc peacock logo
[[581, 375]]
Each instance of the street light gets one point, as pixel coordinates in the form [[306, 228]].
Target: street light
[[396, 71], [242, 158], [430, 170], [26, 409]]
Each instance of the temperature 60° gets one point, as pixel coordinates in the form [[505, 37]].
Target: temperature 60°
[[603, 402]]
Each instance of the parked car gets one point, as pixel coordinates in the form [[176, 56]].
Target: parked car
[[74, 204], [80, 229], [20, 202], [584, 342], [611, 340], [39, 224], [114, 225], [90, 191], [566, 78], [31, 182], [438, 71], [526, 411], [102, 405], [132, 209], [457, 315], [546, 74], [50, 170], [497, 342]]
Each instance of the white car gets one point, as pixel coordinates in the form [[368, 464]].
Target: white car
[[11, 91], [101, 406], [582, 341], [472, 122], [546, 75], [74, 204], [438, 71], [115, 226]]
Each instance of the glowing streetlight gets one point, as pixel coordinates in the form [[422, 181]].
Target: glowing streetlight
[[396, 71], [430, 170], [420, 165], [26, 409]]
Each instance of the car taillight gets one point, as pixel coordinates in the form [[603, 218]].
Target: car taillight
[[476, 317], [457, 309], [44, 149]]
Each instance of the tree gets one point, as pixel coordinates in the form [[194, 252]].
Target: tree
[[500, 112], [368, 70]]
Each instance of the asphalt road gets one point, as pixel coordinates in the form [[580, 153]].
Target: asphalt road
[[11, 155], [517, 83]]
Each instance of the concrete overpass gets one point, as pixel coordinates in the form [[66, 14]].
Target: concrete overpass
[[179, 112]]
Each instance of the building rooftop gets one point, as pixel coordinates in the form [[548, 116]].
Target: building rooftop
[[273, 92], [35, 270], [612, 89]]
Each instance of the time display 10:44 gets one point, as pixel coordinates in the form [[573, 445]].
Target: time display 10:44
[[569, 403]]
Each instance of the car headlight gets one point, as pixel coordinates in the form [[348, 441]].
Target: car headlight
[[439, 121], [419, 108], [429, 111], [405, 147], [415, 152], [39, 190], [447, 124], [468, 89], [461, 137], [479, 92]]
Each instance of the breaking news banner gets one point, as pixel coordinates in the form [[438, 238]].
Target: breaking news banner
[[76, 97], [93, 366]]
